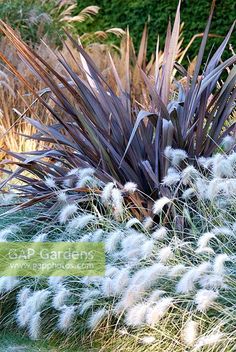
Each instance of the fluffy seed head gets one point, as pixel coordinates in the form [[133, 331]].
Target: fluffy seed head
[[219, 262], [189, 174], [96, 318], [178, 155], [62, 196], [117, 202], [67, 212], [159, 204], [50, 182], [23, 295], [80, 222], [204, 239], [106, 193], [205, 298], [136, 315], [60, 298], [190, 333], [158, 311], [208, 340], [147, 340], [172, 177], [66, 318], [130, 187], [35, 326], [160, 234], [165, 254]]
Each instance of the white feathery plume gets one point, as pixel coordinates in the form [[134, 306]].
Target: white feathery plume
[[202, 188], [23, 316], [86, 181], [60, 298], [204, 239], [35, 326], [214, 188], [66, 318], [69, 181], [55, 281], [40, 238], [155, 296], [204, 299], [111, 271], [88, 171], [134, 240], [216, 168], [80, 222], [165, 254], [168, 152], [178, 155], [177, 270], [159, 204], [188, 193], [86, 305], [149, 275], [221, 167], [212, 281], [106, 193], [205, 162], [8, 283], [37, 300], [218, 265], [10, 230], [23, 295], [147, 340], [135, 316], [147, 248], [96, 318], [97, 235], [117, 202], [207, 340], [158, 311], [50, 182], [172, 177], [121, 281], [147, 222], [153, 273], [132, 222], [112, 241], [67, 212], [62, 196], [189, 174], [190, 332], [187, 283], [90, 293], [107, 287], [130, 187], [160, 233], [132, 295]]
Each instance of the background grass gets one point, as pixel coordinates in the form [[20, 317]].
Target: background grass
[[134, 14], [15, 342]]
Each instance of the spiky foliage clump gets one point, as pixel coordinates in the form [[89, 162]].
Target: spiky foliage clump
[[94, 127]]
